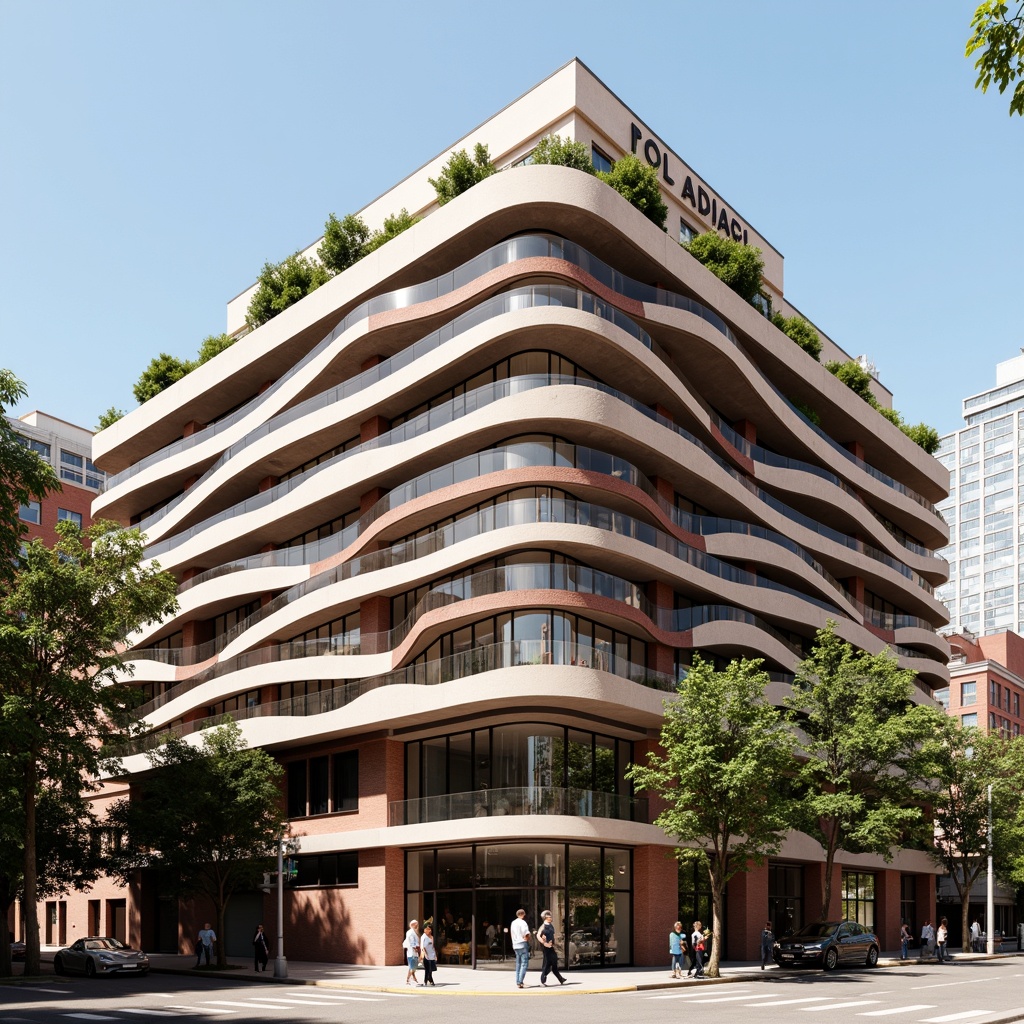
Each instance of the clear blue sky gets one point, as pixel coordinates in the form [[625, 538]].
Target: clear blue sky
[[155, 154]]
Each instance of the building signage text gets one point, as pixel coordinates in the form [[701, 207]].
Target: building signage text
[[705, 204]]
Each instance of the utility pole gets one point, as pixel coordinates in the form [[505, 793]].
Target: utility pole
[[990, 908], [281, 963]]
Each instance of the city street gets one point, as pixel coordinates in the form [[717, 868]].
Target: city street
[[978, 992]]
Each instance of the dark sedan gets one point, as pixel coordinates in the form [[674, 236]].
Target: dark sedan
[[18, 950], [827, 944], [100, 954]]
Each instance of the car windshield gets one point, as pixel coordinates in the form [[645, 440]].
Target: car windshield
[[821, 930], [105, 943]]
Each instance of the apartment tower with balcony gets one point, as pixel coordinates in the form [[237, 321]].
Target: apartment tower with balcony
[[449, 530]]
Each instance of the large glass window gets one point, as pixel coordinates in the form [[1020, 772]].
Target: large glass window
[[30, 512], [323, 784], [71, 467], [859, 898], [785, 898], [471, 894], [69, 516]]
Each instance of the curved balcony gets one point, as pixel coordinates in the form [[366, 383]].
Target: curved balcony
[[486, 803]]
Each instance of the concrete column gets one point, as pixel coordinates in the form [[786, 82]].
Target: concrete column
[[887, 909]]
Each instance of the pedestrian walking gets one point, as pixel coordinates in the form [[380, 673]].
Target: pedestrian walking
[[697, 944], [546, 938], [411, 945], [941, 938], [429, 955], [905, 936], [204, 943], [975, 936], [260, 951], [519, 933], [767, 944], [676, 941], [927, 940]]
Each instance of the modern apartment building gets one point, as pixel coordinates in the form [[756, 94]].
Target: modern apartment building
[[986, 565], [450, 529], [69, 450]]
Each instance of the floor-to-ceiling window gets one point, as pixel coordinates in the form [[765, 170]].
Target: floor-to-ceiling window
[[470, 894], [859, 898], [785, 898]]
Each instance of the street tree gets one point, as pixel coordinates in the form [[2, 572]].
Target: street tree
[[998, 40], [63, 618], [964, 762], [209, 815], [739, 266], [24, 474], [637, 183], [724, 753], [461, 172], [859, 742]]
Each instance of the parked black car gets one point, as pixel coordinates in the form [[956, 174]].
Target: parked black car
[[827, 944], [17, 950], [100, 954]]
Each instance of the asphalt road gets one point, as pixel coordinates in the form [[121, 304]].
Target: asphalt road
[[977, 993]]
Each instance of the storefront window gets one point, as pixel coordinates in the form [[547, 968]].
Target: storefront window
[[859, 898], [785, 898]]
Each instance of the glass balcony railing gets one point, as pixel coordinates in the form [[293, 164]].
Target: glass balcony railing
[[486, 803]]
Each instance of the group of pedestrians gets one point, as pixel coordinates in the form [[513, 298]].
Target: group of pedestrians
[[688, 950], [420, 950], [933, 942]]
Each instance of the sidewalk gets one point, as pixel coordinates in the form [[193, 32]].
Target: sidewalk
[[464, 981]]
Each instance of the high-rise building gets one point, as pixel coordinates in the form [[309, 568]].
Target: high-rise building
[[986, 564], [450, 528]]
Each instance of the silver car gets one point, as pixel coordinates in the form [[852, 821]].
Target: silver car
[[100, 954]]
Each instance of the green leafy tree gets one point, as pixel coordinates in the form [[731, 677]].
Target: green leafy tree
[[209, 816], [344, 242], [963, 764], [163, 371], [724, 750], [24, 474], [638, 184], [109, 418], [63, 618], [462, 172], [739, 266], [393, 227], [859, 747], [799, 330], [553, 149], [282, 284], [213, 345], [921, 434], [998, 39]]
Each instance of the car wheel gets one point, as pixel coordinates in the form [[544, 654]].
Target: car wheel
[[872, 960], [58, 965], [90, 969], [831, 958]]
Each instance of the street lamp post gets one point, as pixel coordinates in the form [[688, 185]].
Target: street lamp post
[[281, 963], [990, 909]]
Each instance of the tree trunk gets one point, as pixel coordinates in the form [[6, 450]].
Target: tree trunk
[[222, 948], [29, 907], [717, 929], [826, 882], [965, 911]]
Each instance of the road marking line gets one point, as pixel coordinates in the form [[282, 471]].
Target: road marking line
[[151, 1013], [203, 1009], [52, 991], [949, 984], [87, 1016], [295, 1002], [838, 1006], [332, 995], [788, 1002], [248, 1006], [956, 1016], [724, 999], [897, 1009]]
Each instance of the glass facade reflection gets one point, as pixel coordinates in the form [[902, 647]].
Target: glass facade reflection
[[470, 894]]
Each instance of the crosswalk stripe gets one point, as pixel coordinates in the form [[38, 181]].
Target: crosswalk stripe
[[249, 1006], [788, 1002], [963, 1015], [147, 1013], [87, 1016], [204, 1009], [296, 1002], [897, 1009], [723, 999], [839, 1006], [692, 994]]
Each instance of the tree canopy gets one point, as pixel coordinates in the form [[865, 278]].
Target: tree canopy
[[998, 40], [212, 345], [25, 476], [280, 285], [66, 613], [638, 184], [553, 149], [209, 816], [461, 172], [739, 266], [109, 418], [963, 764], [343, 243], [163, 371], [858, 747], [393, 227], [724, 752]]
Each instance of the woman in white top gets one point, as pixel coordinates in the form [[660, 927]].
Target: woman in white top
[[429, 954], [941, 938], [411, 945]]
